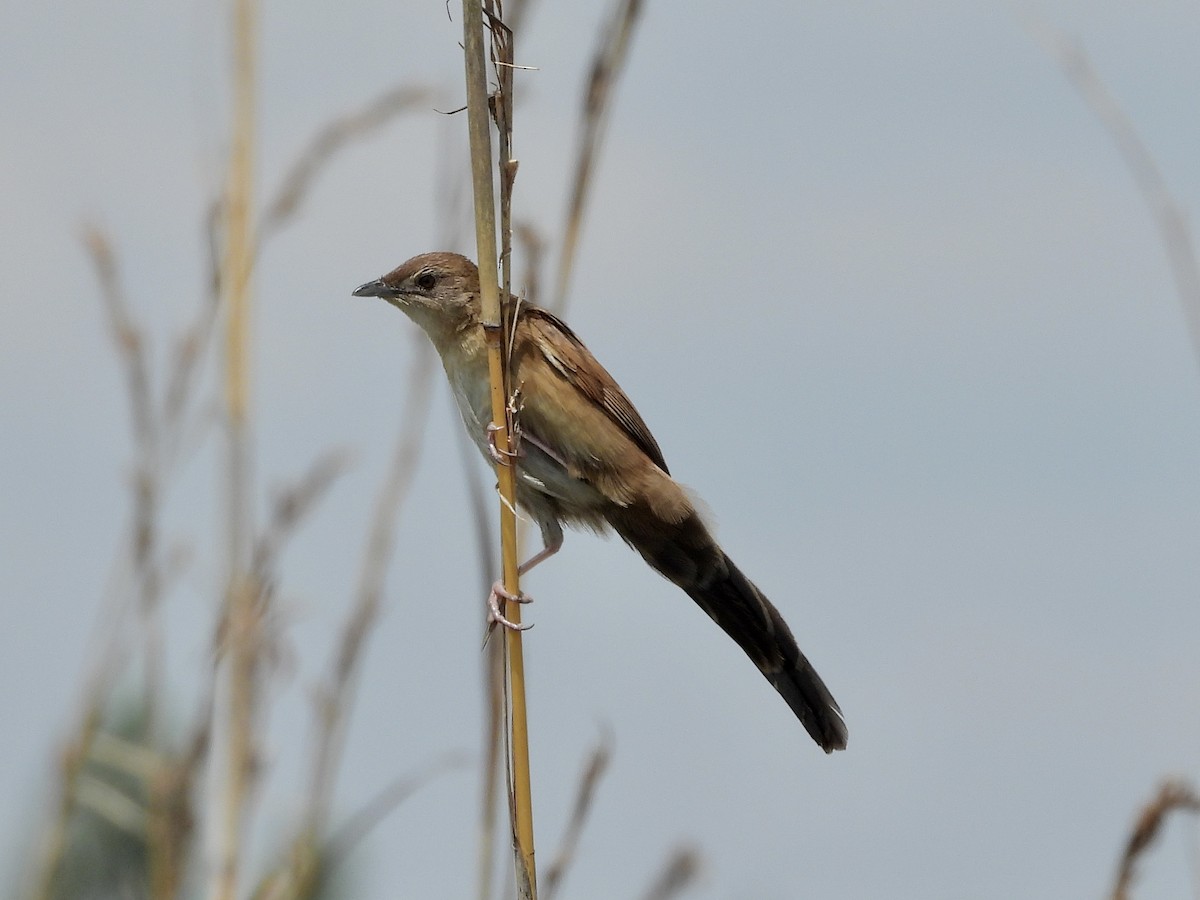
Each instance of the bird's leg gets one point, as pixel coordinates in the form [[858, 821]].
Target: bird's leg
[[552, 541], [505, 457]]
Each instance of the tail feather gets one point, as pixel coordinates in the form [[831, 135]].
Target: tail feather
[[686, 554]]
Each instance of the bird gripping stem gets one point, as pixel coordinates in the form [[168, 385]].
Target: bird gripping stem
[[478, 124]]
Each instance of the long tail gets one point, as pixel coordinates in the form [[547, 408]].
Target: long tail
[[686, 554]]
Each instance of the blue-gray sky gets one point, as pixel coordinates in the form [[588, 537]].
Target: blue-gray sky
[[893, 307]]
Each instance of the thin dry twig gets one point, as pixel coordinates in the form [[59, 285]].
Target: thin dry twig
[[129, 340], [159, 433], [170, 813], [335, 698], [130, 343], [1167, 214], [501, 106], [678, 873], [607, 65], [192, 348], [1172, 795], [291, 505], [533, 246], [597, 763], [143, 558], [125, 332], [327, 142], [360, 824], [243, 630], [514, 14], [312, 859]]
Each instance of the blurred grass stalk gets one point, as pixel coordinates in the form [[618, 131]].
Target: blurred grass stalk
[[1166, 211], [1173, 796], [608, 63], [234, 713]]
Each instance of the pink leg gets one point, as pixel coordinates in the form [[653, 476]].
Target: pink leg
[[552, 538], [542, 555]]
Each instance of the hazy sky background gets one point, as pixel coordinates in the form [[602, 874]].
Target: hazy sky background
[[889, 299]]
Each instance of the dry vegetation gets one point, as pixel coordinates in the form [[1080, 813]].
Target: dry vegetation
[[128, 792], [131, 813]]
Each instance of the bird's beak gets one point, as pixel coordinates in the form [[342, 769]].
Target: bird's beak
[[376, 288]]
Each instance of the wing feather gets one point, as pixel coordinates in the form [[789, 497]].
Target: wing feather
[[575, 363]]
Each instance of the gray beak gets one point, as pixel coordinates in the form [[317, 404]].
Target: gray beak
[[376, 288]]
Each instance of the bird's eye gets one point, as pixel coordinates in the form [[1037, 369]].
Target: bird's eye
[[426, 281]]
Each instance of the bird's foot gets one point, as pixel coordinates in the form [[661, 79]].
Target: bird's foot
[[495, 612], [499, 456]]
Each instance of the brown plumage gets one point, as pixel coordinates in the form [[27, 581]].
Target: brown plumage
[[587, 459]]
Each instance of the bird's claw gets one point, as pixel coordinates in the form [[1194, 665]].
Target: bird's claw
[[500, 457], [495, 614]]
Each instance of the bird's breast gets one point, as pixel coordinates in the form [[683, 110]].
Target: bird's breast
[[537, 469]]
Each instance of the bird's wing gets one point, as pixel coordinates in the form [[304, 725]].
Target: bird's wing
[[567, 355]]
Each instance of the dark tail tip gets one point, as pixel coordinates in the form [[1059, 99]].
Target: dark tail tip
[[813, 704], [766, 638]]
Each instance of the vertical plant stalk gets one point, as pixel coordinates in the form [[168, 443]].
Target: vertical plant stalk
[[520, 796], [335, 698], [242, 616], [129, 339], [607, 65], [1168, 215]]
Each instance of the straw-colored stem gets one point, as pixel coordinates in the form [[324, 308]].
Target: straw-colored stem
[[242, 615], [606, 67], [485, 237], [335, 698], [1168, 214], [1172, 796]]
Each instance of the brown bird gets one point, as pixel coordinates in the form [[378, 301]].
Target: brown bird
[[587, 459]]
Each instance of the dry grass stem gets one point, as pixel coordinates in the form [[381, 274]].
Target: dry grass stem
[[502, 114], [678, 874], [494, 742], [360, 824], [335, 699], [597, 763], [170, 816], [291, 505], [1172, 796], [607, 65], [130, 342], [521, 806], [533, 247], [127, 336], [237, 707], [191, 350], [327, 142], [143, 566], [312, 858], [1168, 215], [514, 14]]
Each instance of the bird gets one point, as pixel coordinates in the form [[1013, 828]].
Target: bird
[[588, 460]]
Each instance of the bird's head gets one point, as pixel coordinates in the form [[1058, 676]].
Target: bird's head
[[438, 291]]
